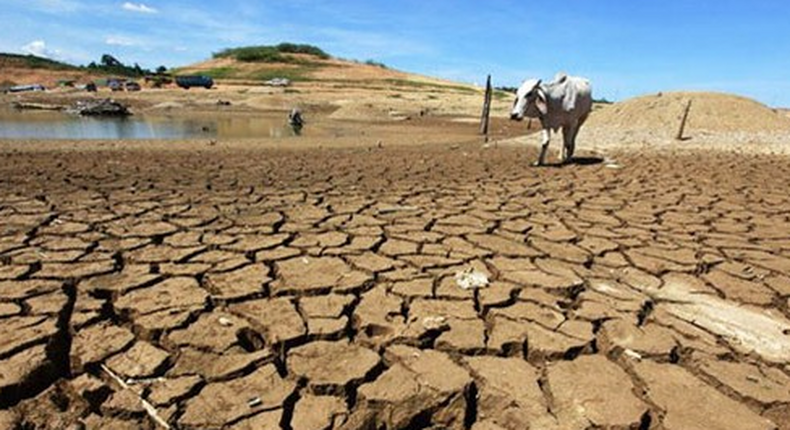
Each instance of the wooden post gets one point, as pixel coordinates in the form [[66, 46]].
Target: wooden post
[[486, 109], [683, 121]]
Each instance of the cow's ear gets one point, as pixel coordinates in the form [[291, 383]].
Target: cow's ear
[[541, 103], [560, 77]]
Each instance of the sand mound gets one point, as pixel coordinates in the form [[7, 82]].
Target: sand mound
[[709, 112], [715, 121]]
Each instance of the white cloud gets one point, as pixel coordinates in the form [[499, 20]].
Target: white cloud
[[120, 41], [39, 49], [139, 7]]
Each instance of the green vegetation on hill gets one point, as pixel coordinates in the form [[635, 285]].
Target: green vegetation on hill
[[272, 54], [111, 65], [108, 65], [34, 62], [282, 65], [293, 73]]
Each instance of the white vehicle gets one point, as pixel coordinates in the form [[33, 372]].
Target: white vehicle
[[278, 82], [23, 88]]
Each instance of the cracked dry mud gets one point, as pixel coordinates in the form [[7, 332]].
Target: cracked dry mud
[[315, 289]]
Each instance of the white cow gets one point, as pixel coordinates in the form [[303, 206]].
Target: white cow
[[566, 102]]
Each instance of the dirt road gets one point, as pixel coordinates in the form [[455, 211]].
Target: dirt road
[[445, 285]]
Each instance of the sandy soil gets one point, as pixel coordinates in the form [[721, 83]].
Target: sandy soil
[[431, 281], [715, 122]]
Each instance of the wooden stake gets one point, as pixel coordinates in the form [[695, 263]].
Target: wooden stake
[[486, 109], [683, 121], [149, 408]]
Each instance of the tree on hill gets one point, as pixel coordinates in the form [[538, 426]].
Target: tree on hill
[[296, 48], [271, 54], [110, 64], [109, 61]]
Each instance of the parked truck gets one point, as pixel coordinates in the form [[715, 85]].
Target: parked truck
[[187, 82]]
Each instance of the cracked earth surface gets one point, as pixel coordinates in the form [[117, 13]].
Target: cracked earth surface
[[317, 289]]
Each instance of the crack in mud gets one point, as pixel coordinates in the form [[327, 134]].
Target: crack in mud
[[292, 284]]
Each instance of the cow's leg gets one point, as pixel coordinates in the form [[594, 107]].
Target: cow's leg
[[572, 142], [544, 147], [567, 139], [576, 133]]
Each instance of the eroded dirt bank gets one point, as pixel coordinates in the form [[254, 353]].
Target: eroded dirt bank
[[206, 287]]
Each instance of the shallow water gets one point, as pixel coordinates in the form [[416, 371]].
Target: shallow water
[[58, 125]]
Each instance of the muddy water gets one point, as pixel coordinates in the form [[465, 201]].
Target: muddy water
[[57, 125]]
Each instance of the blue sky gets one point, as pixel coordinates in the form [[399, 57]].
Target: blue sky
[[626, 47]]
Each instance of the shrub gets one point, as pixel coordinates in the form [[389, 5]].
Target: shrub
[[376, 64], [294, 48], [264, 54], [271, 54]]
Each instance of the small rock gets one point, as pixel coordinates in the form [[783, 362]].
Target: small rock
[[435, 323], [470, 279]]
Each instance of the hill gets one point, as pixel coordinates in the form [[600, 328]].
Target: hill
[[346, 89], [28, 69], [18, 69], [715, 121], [709, 112], [342, 89], [249, 65], [33, 62], [305, 63]]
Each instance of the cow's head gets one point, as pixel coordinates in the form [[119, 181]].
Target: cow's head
[[530, 101]]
